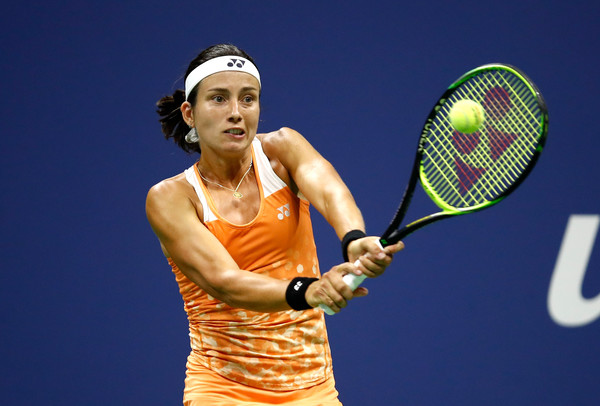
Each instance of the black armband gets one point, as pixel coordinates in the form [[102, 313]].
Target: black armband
[[348, 238], [295, 294]]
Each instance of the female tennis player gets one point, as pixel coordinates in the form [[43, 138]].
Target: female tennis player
[[236, 230]]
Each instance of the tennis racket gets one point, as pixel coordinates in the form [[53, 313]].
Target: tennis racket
[[463, 173]]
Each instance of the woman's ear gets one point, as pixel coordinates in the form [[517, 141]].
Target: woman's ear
[[187, 113]]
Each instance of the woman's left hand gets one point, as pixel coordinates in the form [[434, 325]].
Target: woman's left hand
[[370, 259]]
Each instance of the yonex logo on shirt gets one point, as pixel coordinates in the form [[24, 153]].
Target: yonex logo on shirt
[[284, 211]]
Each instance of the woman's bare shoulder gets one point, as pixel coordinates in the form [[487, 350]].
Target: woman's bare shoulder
[[172, 193], [275, 141]]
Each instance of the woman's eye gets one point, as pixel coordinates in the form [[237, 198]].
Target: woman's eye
[[248, 99], [219, 99]]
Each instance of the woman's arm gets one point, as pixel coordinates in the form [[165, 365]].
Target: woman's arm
[[201, 257], [320, 183], [316, 179]]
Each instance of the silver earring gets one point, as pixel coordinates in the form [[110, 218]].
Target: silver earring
[[192, 136]]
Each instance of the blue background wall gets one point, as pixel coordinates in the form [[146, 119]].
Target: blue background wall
[[90, 311]]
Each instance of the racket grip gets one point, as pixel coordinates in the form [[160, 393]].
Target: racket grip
[[351, 280]]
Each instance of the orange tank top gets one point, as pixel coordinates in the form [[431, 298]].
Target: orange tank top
[[277, 351]]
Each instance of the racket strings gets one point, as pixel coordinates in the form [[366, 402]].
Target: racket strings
[[466, 170], [478, 164], [496, 118], [508, 174]]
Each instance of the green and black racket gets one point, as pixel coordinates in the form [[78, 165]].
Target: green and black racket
[[463, 173]]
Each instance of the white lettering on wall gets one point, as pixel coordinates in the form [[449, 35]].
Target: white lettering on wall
[[566, 305]]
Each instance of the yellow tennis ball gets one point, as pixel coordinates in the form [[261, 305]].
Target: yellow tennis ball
[[466, 116]]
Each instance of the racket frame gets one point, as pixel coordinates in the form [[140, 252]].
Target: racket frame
[[393, 234]]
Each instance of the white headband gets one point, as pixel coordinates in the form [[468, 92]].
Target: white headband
[[219, 64]]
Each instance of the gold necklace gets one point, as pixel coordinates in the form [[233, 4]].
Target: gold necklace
[[236, 194]]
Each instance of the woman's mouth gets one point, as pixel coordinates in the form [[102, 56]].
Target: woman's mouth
[[235, 132]]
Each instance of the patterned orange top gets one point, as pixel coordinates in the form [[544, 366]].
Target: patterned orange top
[[277, 351]]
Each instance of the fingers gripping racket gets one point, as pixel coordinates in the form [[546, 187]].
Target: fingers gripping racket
[[467, 172]]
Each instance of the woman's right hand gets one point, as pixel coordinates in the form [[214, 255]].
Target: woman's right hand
[[332, 291]]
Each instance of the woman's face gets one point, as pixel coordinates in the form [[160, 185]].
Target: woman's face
[[227, 112]]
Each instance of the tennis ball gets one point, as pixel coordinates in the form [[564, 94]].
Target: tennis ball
[[466, 116]]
